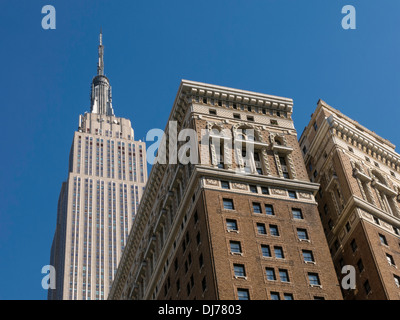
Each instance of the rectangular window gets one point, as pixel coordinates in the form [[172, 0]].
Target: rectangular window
[[292, 194], [284, 275], [243, 294], [253, 189], [231, 225], [302, 234], [297, 214], [270, 272], [360, 265], [275, 296], [288, 296], [213, 111], [256, 207], [313, 278], [269, 210], [235, 247], [279, 253], [228, 204], [308, 256], [225, 185], [236, 116], [266, 252], [261, 228], [396, 280], [239, 270], [264, 190], [274, 230]]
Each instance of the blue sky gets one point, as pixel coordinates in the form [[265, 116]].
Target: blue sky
[[295, 49]]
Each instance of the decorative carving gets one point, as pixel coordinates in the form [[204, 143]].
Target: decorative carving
[[212, 182], [304, 195], [280, 192], [240, 186]]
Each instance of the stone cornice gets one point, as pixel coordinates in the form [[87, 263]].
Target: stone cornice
[[363, 139], [236, 95]]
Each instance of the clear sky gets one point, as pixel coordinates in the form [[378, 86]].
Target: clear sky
[[295, 49]]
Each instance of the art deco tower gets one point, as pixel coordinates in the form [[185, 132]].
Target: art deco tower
[[98, 202]]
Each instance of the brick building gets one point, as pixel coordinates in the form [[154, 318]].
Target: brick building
[[242, 223], [358, 199]]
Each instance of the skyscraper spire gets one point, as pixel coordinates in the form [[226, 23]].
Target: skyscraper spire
[[100, 65], [101, 99]]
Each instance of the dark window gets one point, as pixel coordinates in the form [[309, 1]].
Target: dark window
[[292, 194], [360, 265], [266, 252], [231, 225], [383, 239], [353, 245], [279, 253], [302, 234], [239, 270], [253, 189], [308, 256], [228, 204], [256, 207], [270, 272], [264, 190], [225, 185], [297, 214], [367, 287], [235, 247], [243, 294], [269, 210], [314, 279], [275, 296], [261, 228], [274, 230], [284, 275]]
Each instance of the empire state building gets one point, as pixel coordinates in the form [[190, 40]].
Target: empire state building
[[98, 201]]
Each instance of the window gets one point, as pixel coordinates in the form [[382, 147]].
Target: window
[[313, 278], [376, 220], [266, 252], [318, 298], [315, 126], [390, 259], [269, 210], [253, 189], [261, 228], [239, 270], [228, 204], [396, 280], [376, 164], [274, 230], [231, 225], [201, 261], [353, 245], [256, 207], [348, 227], [204, 284], [235, 247], [360, 265], [308, 256], [274, 122], [304, 150], [284, 167], [302, 234], [382, 238], [368, 159], [284, 275], [292, 194], [297, 214], [225, 185], [367, 287], [287, 296], [264, 190], [351, 149], [279, 253], [243, 294], [270, 272], [275, 296], [236, 116], [213, 111], [250, 118]]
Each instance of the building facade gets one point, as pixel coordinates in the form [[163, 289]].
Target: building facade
[[98, 202], [358, 200], [240, 223]]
